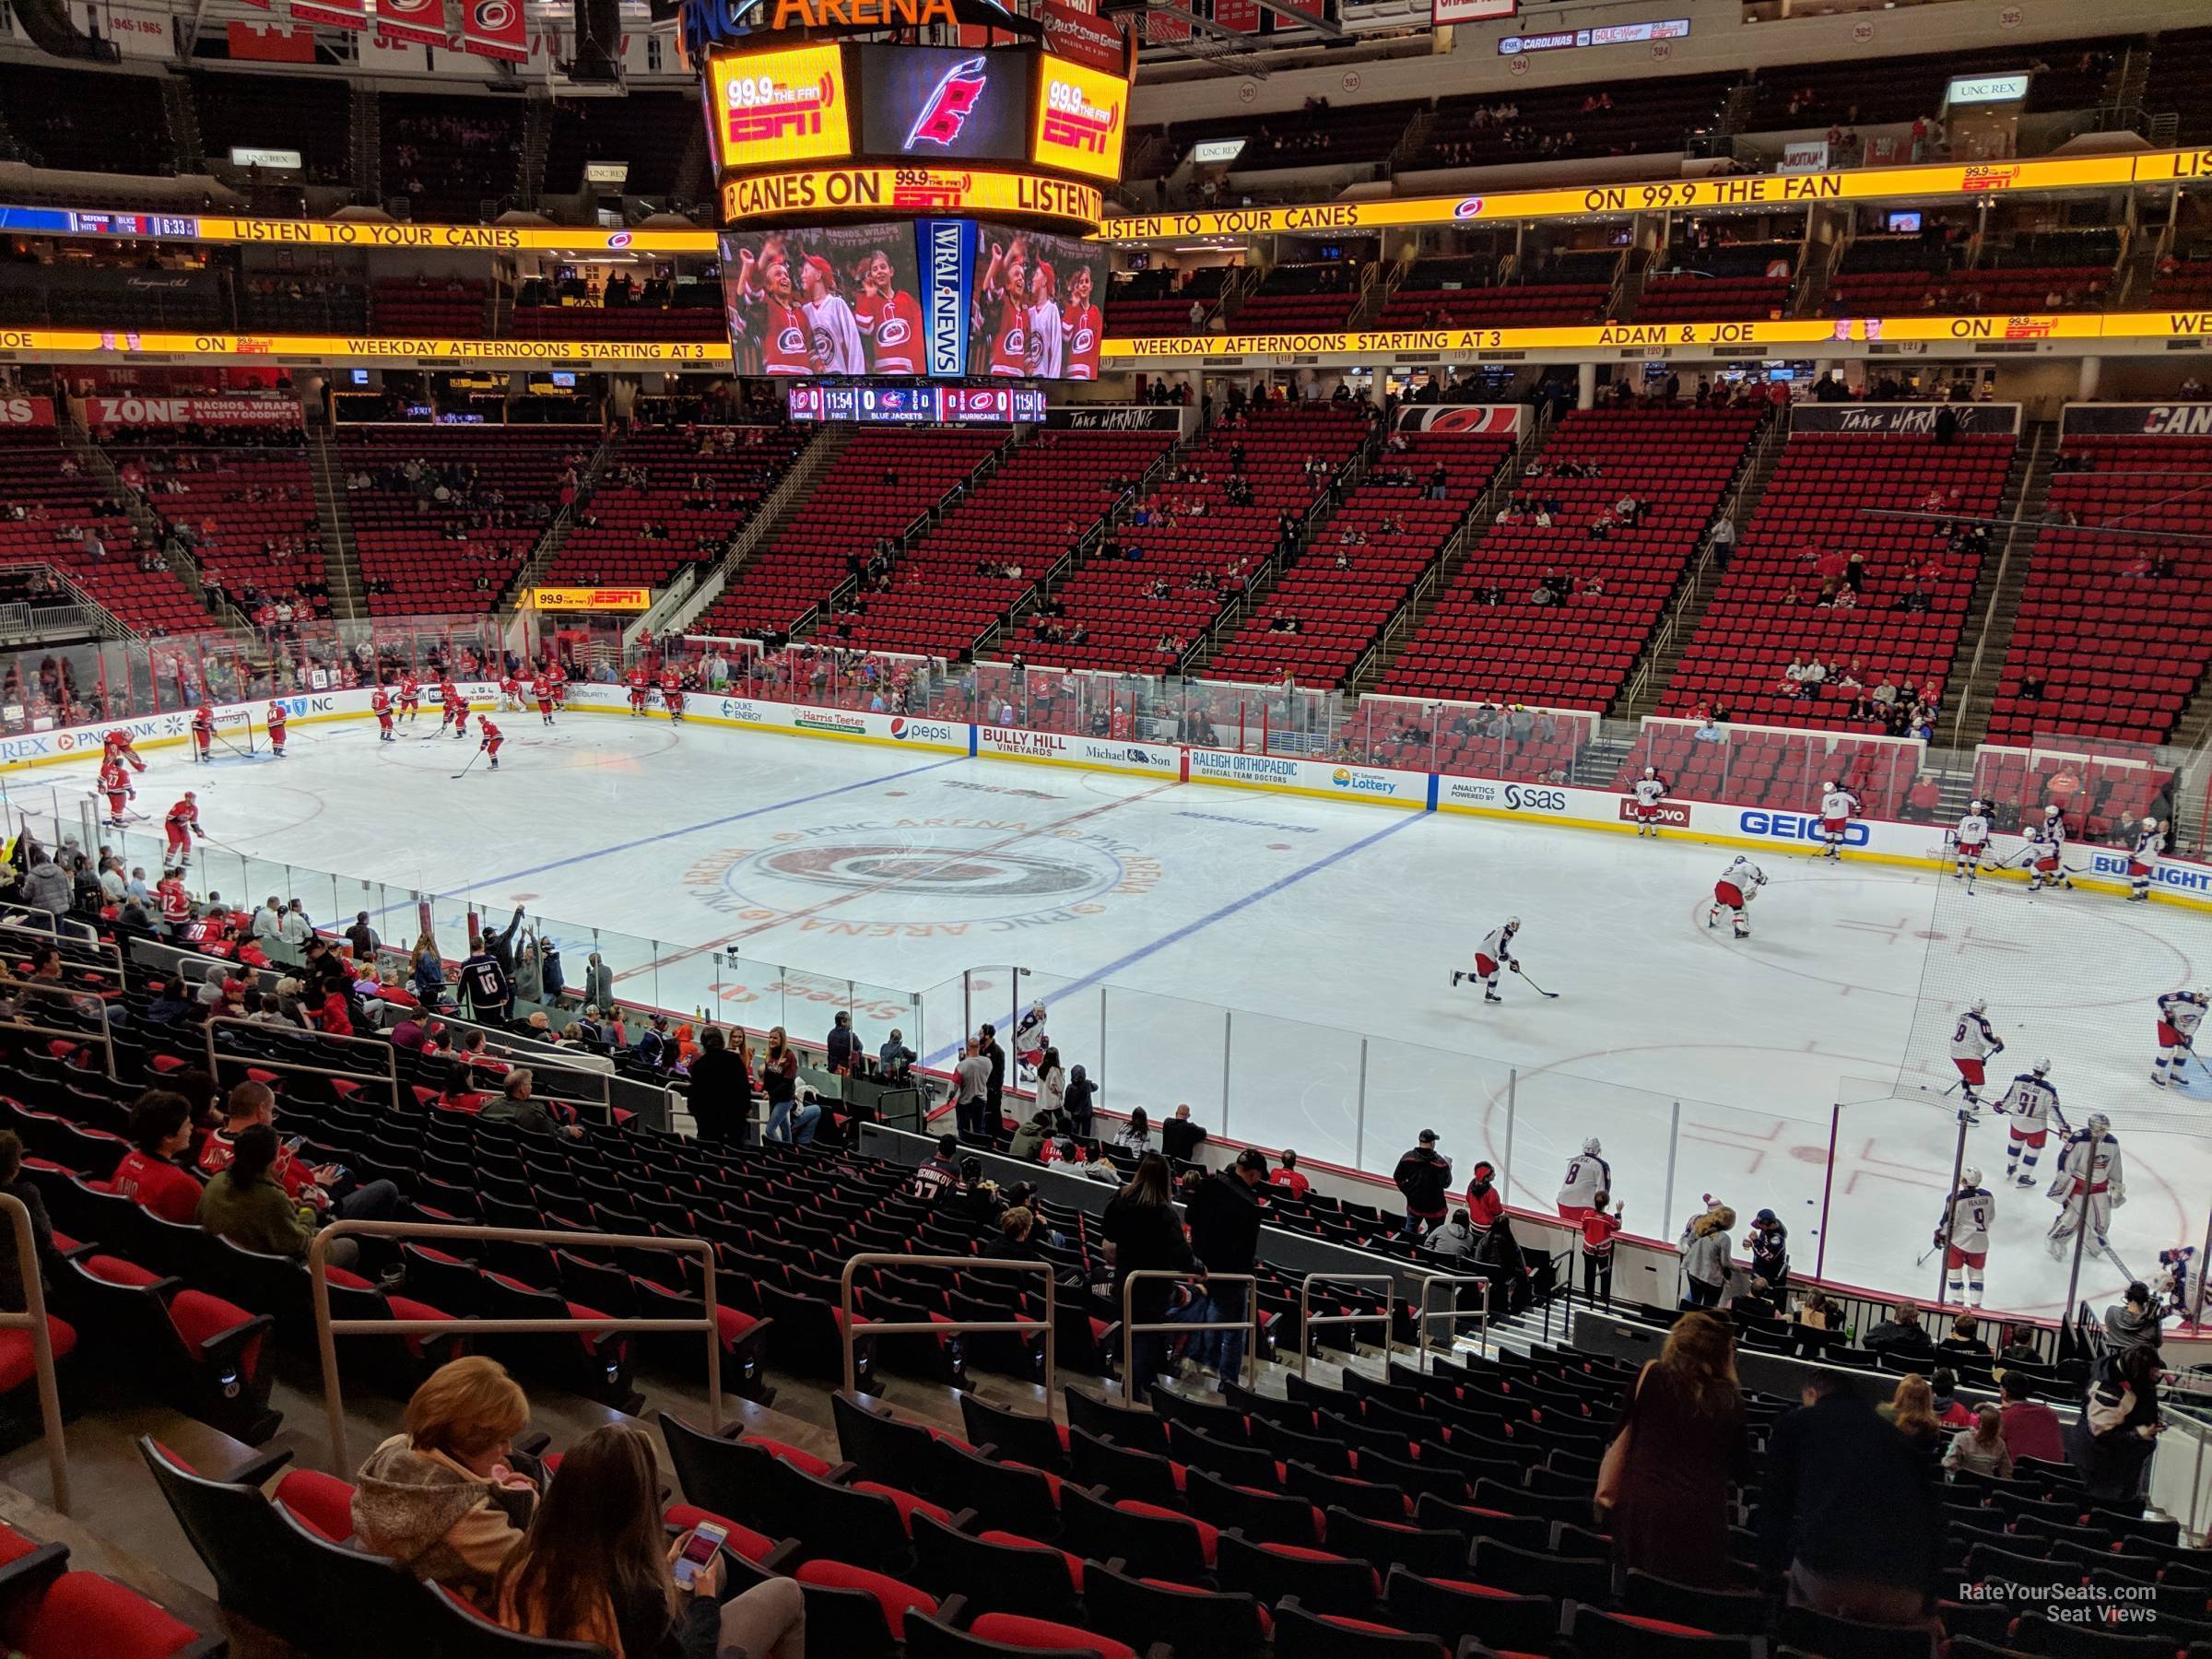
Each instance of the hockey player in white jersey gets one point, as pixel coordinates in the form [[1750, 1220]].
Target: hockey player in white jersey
[[1964, 1234], [1969, 842], [2091, 1184], [1649, 791], [1973, 1042], [1587, 1176], [1496, 951], [1739, 883], [2143, 862], [2179, 1013], [2032, 1105], [2046, 853], [1839, 806]]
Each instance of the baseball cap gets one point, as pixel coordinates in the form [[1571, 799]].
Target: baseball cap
[[1426, 1138], [1765, 1215]]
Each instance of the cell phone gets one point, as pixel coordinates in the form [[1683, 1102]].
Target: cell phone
[[698, 1551], [294, 1143]]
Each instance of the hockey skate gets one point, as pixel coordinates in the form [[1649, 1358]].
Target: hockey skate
[[1457, 974], [1492, 996], [2057, 1245]]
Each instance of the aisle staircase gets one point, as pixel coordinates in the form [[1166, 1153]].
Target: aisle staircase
[[775, 512], [1979, 663], [341, 561], [533, 569], [96, 465], [538, 140]]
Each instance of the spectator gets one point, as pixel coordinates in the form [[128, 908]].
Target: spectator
[[445, 1497], [1816, 1312], [1485, 1205], [1288, 1176], [1030, 1136], [1052, 1086], [2030, 1428], [1180, 1139], [596, 1566], [1912, 1410], [1146, 1234], [2112, 1440], [249, 1103], [895, 1059], [1080, 1101], [2020, 1347], [994, 1094], [789, 1120], [1423, 1177], [1706, 1256], [1951, 1412], [1965, 1337], [1223, 1216], [1848, 1511], [515, 1106], [247, 1205], [1981, 1450], [598, 982], [2134, 1322], [939, 1174], [363, 939], [12, 1298], [1681, 1438], [1724, 541], [1768, 1245], [1599, 1229], [1016, 1239], [1901, 1332], [721, 1088], [843, 1046], [150, 1173], [46, 885], [1137, 1134], [971, 1088]]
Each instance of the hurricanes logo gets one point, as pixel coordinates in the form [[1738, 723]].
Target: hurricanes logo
[[944, 113]]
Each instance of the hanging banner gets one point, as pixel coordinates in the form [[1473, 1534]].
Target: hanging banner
[[1504, 419], [195, 411], [412, 22], [266, 44], [1077, 35], [331, 13], [26, 411], [2137, 420], [494, 29], [1905, 418]]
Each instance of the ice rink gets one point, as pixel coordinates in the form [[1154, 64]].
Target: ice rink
[[1281, 963]]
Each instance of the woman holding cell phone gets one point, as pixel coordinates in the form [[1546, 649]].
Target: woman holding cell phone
[[594, 1568]]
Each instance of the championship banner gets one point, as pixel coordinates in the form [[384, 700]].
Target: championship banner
[[16, 411], [493, 29], [196, 411], [2137, 420], [934, 190], [1502, 419], [591, 598], [331, 13], [413, 22], [1912, 419]]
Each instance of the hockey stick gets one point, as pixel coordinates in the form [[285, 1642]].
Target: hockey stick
[[1931, 1250], [472, 761], [1532, 985], [241, 754]]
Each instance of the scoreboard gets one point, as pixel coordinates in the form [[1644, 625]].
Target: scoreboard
[[877, 403]]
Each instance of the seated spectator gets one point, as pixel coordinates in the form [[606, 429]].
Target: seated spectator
[[596, 1566], [1965, 1337], [1136, 1134], [247, 1204], [1901, 1332], [2135, 1319], [152, 1173], [12, 1298], [1912, 1411], [515, 1106], [2030, 1428], [936, 1176], [445, 1497], [1287, 1175], [1943, 1391], [1981, 1450]]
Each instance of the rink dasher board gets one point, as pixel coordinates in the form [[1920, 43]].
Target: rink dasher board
[[1773, 831]]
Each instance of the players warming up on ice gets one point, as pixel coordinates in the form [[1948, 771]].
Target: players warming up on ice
[[115, 784], [1589, 1178], [380, 705], [278, 716], [449, 698], [2143, 863], [560, 678], [1496, 951], [182, 824], [2047, 852], [1973, 1040], [2179, 1013], [511, 694], [1969, 842], [2032, 1104], [672, 694], [492, 739], [1649, 790], [117, 745], [1839, 806], [640, 688], [2092, 1179], [1739, 883], [410, 696], [1964, 1234], [541, 693], [203, 732], [459, 711]]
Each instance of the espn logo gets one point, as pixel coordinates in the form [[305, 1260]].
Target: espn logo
[[762, 110], [1074, 121]]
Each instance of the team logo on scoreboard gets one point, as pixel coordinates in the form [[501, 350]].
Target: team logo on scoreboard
[[946, 110]]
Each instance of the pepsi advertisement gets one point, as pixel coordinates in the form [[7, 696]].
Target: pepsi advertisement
[[932, 103]]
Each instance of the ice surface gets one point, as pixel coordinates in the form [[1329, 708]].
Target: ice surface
[[778, 879]]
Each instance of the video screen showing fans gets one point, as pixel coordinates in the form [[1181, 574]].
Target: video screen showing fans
[[840, 300], [1036, 312]]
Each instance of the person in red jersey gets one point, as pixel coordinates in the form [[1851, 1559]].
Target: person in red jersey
[[117, 745], [492, 739], [784, 335], [449, 698], [511, 693], [203, 731], [174, 901], [640, 689], [278, 716], [672, 694], [115, 784], [410, 696], [541, 693], [149, 1173], [460, 714], [1082, 327], [559, 676], [380, 705], [183, 823], [1006, 282], [888, 319]]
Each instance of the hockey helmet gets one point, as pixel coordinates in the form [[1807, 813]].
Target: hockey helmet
[[1977, 1007], [1968, 1177], [2043, 1065], [2050, 812], [1512, 924], [1651, 772], [2098, 1123], [1975, 807], [1829, 787], [1591, 1148]]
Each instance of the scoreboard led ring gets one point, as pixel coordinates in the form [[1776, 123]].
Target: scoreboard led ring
[[811, 193]]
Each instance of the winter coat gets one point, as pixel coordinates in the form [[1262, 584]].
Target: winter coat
[[46, 887], [1028, 1143], [439, 1519], [1708, 1257], [599, 986], [1424, 1177]]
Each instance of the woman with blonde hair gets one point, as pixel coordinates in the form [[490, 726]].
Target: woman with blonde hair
[[1912, 1410], [1680, 1439], [1706, 1260], [445, 1497], [595, 1567], [1981, 1450]]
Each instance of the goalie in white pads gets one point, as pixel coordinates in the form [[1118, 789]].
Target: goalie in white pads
[[1738, 885], [1974, 1041], [2032, 1104], [1496, 951], [2092, 1181], [1964, 1234], [1839, 806], [1969, 842], [1649, 791], [2143, 862], [2179, 1013], [2047, 852]]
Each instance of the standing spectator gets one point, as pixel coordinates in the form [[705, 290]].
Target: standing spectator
[[596, 1566], [1724, 541], [487, 992], [1180, 1139], [1706, 1256], [1288, 1176], [1224, 1216], [12, 1298], [1424, 1177], [788, 1121], [1981, 1450], [1052, 1087], [2112, 1440], [1599, 1229], [1080, 1101], [1768, 1245], [994, 1094], [721, 1088], [2134, 1321], [598, 982], [1679, 1439], [363, 939], [1146, 1234], [895, 1059], [970, 1088], [843, 1046], [1137, 1134], [1847, 1510], [2030, 1428]]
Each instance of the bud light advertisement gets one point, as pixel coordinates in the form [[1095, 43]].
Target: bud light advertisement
[[931, 103]]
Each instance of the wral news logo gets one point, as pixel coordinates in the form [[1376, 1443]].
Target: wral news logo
[[946, 292]]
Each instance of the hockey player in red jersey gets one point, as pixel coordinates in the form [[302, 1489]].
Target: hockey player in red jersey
[[410, 696], [672, 694], [510, 693], [493, 737], [182, 824], [278, 716], [460, 714], [115, 784], [380, 705], [559, 676], [541, 693], [449, 700], [641, 689], [203, 731], [117, 745]]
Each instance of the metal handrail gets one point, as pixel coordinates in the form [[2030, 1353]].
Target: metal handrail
[[328, 1330], [1306, 1322], [104, 1036], [390, 1077], [33, 1320], [959, 1327], [52, 934], [1429, 1315], [1131, 1330]]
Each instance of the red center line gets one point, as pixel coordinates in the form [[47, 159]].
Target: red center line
[[893, 881]]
